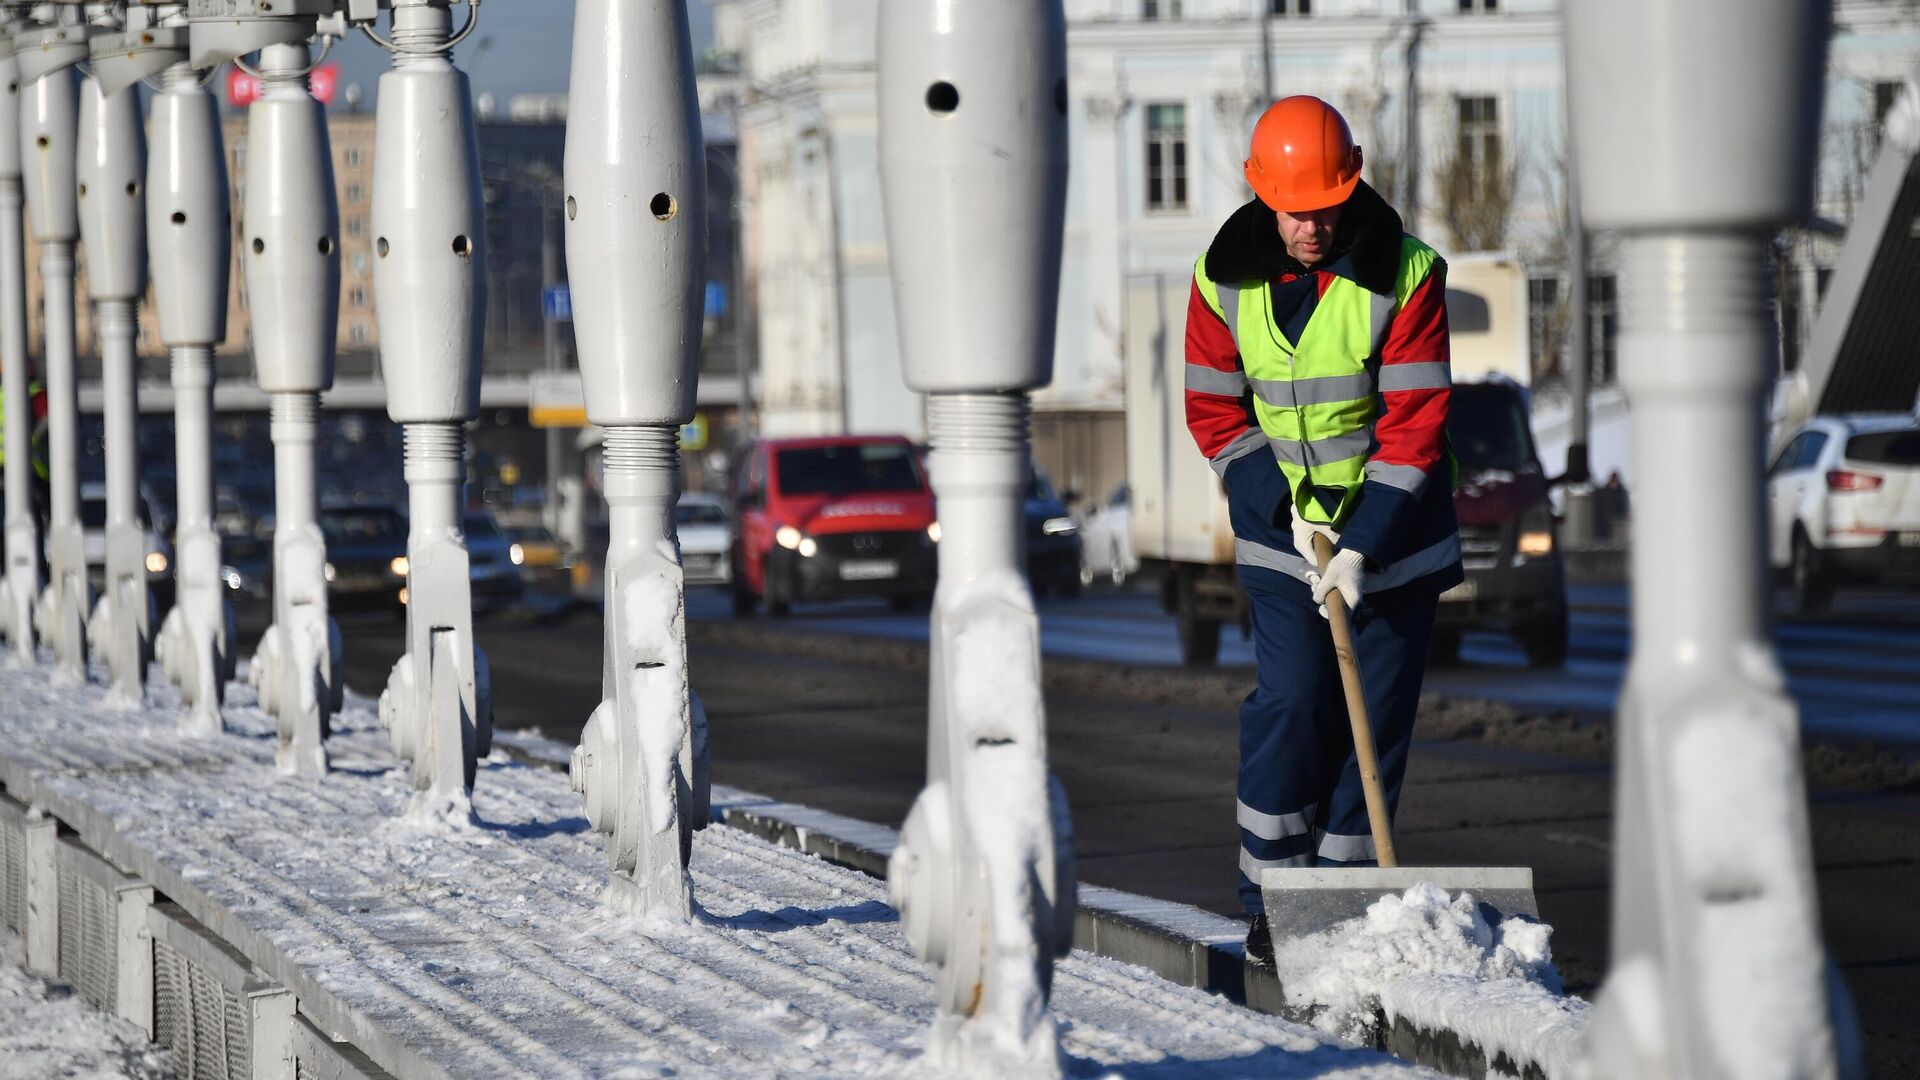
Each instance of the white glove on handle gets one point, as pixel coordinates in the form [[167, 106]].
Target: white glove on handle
[[1344, 573], [1303, 533]]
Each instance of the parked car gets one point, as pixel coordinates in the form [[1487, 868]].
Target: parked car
[[1844, 505], [366, 556], [1053, 540], [93, 536], [493, 575], [832, 517], [534, 548], [1106, 540], [706, 538], [1509, 539]]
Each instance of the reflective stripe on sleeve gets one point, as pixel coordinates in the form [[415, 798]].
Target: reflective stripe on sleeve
[[1243, 444], [1206, 380], [1408, 478], [1430, 375]]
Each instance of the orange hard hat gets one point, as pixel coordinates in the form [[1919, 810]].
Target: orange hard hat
[[1303, 156]]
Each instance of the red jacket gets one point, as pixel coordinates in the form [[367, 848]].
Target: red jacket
[[1410, 426]]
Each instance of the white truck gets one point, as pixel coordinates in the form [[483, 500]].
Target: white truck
[[1179, 510]]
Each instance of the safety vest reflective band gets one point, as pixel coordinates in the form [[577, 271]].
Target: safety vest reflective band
[[1317, 398]]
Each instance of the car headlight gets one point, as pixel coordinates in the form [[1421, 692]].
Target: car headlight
[[156, 562], [788, 537], [1060, 526], [517, 555], [1536, 543], [808, 548], [329, 572], [231, 577], [933, 532], [398, 566]]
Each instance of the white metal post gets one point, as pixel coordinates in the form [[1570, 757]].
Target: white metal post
[[1695, 123], [188, 228], [112, 172], [292, 265], [49, 131], [636, 254], [429, 297], [21, 586], [973, 168]]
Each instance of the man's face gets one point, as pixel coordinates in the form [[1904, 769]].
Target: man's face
[[1309, 234]]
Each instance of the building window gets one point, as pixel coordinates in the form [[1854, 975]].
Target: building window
[[357, 298], [356, 226], [360, 262], [353, 157], [1159, 9], [1479, 137], [1285, 8], [1603, 313], [356, 193], [1483, 7], [361, 333], [1544, 321], [1166, 157]]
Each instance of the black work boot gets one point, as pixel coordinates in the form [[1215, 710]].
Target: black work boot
[[1259, 952]]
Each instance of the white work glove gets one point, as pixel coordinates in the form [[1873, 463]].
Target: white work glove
[[1344, 572], [1303, 533]]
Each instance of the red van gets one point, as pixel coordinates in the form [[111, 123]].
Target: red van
[[823, 518]]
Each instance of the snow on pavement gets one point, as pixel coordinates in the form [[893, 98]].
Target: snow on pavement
[[484, 949], [48, 1032]]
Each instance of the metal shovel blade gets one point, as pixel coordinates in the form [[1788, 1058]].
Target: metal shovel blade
[[1303, 901]]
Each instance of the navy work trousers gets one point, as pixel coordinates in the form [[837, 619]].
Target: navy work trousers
[[1300, 798]]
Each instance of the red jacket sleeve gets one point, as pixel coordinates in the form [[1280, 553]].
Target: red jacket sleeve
[[1416, 391], [1216, 385]]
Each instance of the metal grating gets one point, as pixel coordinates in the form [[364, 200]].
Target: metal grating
[[203, 1024], [316, 1057], [13, 865], [88, 926]]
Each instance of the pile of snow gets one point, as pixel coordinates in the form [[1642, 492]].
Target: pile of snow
[[1338, 976], [47, 1030], [1525, 1022]]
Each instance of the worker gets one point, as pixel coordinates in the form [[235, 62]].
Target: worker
[[1318, 384]]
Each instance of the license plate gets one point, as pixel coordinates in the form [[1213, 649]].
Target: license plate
[[1466, 590], [869, 570], [1910, 539]]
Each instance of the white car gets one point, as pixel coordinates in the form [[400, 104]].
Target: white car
[[1106, 540], [1844, 499], [706, 538]]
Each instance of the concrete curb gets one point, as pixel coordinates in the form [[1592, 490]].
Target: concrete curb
[[1180, 943]]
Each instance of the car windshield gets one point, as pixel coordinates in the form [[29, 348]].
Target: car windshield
[[371, 525], [1487, 427], [842, 470], [699, 513], [1039, 490], [1886, 447], [482, 527], [93, 514]]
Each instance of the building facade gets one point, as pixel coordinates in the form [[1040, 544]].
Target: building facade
[[1163, 96]]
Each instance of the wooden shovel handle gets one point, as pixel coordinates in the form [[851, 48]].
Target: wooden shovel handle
[[1363, 750]]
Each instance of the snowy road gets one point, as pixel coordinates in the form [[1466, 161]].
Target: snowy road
[[1855, 672]]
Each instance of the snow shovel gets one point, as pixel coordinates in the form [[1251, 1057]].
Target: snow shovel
[[1302, 901]]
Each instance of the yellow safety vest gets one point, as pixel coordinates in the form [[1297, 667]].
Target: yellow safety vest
[[1317, 399]]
